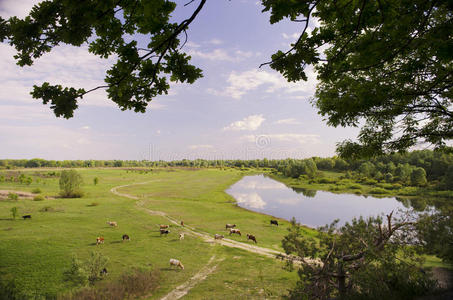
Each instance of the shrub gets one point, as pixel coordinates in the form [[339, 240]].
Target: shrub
[[327, 180], [14, 211], [83, 272], [36, 191], [128, 286], [378, 190], [13, 196], [354, 186], [95, 180], [70, 182], [38, 198]]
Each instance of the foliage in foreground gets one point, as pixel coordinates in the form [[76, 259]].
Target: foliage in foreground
[[80, 273], [134, 285], [364, 259]]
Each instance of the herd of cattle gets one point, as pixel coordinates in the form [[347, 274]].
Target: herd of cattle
[[164, 230]]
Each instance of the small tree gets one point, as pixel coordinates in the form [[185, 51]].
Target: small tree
[[418, 177], [70, 182], [363, 259], [13, 196], [95, 180], [14, 211]]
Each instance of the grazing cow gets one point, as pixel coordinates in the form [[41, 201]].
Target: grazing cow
[[113, 224], [237, 231], [176, 263], [182, 223], [274, 222], [164, 231], [181, 236], [164, 226], [218, 236], [251, 237], [229, 226], [26, 217], [99, 240], [126, 237], [104, 272]]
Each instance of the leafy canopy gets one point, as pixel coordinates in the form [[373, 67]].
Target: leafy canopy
[[383, 65], [106, 26]]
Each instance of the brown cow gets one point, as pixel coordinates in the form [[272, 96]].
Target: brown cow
[[164, 226], [237, 231], [218, 236], [251, 237], [99, 240]]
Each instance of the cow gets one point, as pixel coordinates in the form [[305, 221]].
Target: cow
[[164, 231], [26, 217], [181, 236], [164, 226], [176, 263], [218, 236], [126, 237], [251, 237], [237, 231], [274, 222], [227, 226], [103, 272], [112, 223], [182, 223], [99, 240]]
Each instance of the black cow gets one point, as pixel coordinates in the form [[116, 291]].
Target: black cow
[[104, 272], [251, 237], [26, 217], [126, 237], [275, 222], [164, 231]]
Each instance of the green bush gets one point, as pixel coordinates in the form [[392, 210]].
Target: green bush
[[36, 191], [378, 190], [354, 186], [13, 196], [38, 198], [326, 180], [70, 182], [14, 212]]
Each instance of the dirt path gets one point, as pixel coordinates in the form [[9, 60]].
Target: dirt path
[[20, 194], [203, 235], [184, 288]]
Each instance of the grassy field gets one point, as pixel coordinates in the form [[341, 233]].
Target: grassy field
[[35, 253]]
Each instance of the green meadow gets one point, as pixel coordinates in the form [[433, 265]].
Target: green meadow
[[35, 253]]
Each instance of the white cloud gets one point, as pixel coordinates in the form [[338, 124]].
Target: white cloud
[[215, 42], [195, 147], [19, 8], [290, 121], [258, 185], [221, 55], [252, 122], [86, 127], [244, 82], [252, 200], [293, 36], [288, 137]]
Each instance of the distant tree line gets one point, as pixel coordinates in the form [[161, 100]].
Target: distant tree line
[[417, 168]]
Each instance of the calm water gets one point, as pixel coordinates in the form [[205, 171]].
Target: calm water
[[309, 207]]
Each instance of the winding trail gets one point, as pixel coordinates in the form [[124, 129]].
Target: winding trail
[[184, 288], [203, 235]]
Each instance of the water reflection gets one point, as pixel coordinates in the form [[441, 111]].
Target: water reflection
[[310, 207]]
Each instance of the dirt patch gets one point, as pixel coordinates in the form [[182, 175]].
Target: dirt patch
[[21, 194]]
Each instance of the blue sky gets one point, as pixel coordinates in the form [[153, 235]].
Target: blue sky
[[235, 111]]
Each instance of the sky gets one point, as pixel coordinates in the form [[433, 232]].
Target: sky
[[236, 111]]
